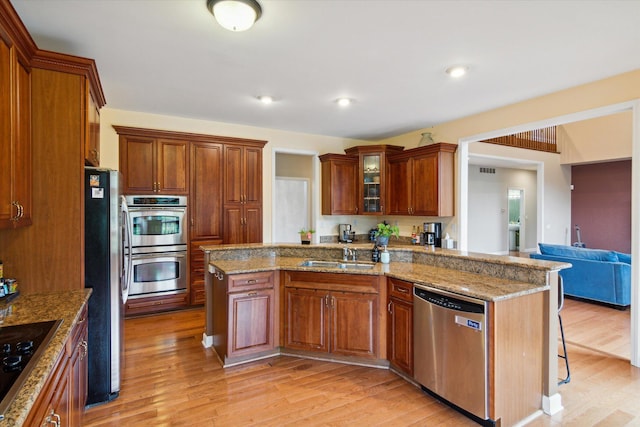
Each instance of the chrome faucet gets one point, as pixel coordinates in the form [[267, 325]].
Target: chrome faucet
[[353, 254], [345, 253]]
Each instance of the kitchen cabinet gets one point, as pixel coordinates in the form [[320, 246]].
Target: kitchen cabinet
[[372, 171], [62, 399], [151, 164], [421, 181], [339, 184], [92, 140], [400, 325], [332, 313], [157, 304], [245, 315], [15, 122], [196, 276], [60, 88], [242, 189]]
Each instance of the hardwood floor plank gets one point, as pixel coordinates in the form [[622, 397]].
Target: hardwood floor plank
[[169, 379]]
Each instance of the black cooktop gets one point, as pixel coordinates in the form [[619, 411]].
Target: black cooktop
[[20, 348]]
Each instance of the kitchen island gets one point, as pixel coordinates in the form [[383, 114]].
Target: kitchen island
[[521, 294], [68, 306]]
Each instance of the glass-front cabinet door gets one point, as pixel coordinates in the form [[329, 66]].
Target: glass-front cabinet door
[[371, 172]]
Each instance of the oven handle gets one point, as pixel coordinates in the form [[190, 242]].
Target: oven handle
[[136, 209], [159, 255], [126, 252]]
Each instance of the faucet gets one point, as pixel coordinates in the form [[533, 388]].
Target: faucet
[[345, 253], [353, 254]]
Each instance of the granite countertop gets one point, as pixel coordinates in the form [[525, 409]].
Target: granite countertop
[[480, 286], [65, 305]]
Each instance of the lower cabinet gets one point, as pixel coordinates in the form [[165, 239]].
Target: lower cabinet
[[196, 276], [244, 315], [62, 399], [400, 325], [332, 313]]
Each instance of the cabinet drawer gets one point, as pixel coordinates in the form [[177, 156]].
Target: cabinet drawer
[[248, 281], [137, 306], [400, 289]]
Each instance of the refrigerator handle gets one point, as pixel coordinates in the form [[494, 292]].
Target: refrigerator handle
[[126, 252]]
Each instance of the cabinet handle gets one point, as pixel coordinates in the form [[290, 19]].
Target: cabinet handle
[[326, 300], [52, 419], [251, 281], [403, 290], [21, 209], [381, 208], [389, 307], [17, 216], [252, 294], [356, 209], [333, 302]]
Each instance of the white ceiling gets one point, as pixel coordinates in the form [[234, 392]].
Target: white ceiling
[[170, 57]]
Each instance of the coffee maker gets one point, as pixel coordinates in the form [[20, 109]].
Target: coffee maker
[[345, 235], [432, 235]]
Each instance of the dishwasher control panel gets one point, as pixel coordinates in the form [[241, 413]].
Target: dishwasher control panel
[[449, 302]]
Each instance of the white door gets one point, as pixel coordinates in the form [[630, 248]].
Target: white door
[[291, 209]]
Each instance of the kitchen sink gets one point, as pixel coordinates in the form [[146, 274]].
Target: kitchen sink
[[337, 264]]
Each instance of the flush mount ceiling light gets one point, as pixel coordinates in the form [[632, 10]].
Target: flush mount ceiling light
[[344, 102], [456, 71], [235, 15], [265, 99]]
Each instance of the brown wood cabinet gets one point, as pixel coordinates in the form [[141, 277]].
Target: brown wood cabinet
[[15, 121], [62, 399], [400, 325], [151, 164], [421, 181], [242, 193], [196, 290], [339, 184], [372, 177], [92, 140], [138, 306], [245, 315], [60, 88], [332, 313]]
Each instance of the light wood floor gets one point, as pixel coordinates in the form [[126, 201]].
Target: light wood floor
[[170, 380]]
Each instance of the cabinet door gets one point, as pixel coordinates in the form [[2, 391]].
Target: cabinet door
[[399, 186], [251, 322], [354, 325], [233, 189], [233, 224], [425, 185], [137, 164], [6, 108], [205, 203], [22, 172], [306, 324], [252, 175], [252, 224], [79, 372], [92, 141], [172, 167], [400, 335], [340, 186]]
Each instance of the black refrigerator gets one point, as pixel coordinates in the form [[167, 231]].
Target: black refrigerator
[[103, 269]]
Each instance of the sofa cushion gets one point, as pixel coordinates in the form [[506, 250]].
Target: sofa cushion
[[580, 253], [622, 257]]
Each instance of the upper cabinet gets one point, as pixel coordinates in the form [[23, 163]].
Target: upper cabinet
[[92, 140], [152, 164], [339, 184], [421, 181], [16, 47], [372, 184]]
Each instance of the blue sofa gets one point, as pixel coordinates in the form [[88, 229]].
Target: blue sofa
[[597, 274]]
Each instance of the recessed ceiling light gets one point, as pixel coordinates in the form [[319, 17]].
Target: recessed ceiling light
[[344, 102], [456, 71], [265, 99]]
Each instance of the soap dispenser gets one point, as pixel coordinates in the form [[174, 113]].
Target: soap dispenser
[[384, 256], [375, 253]]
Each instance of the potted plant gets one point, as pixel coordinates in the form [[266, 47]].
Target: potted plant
[[385, 231], [305, 235]]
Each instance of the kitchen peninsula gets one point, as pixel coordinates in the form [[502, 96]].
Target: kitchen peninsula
[[265, 299]]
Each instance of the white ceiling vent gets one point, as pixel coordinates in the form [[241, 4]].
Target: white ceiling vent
[[487, 170]]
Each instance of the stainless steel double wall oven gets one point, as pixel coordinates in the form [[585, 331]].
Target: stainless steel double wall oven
[[156, 253]]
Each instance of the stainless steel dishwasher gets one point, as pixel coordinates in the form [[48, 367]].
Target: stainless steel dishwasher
[[450, 349]]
